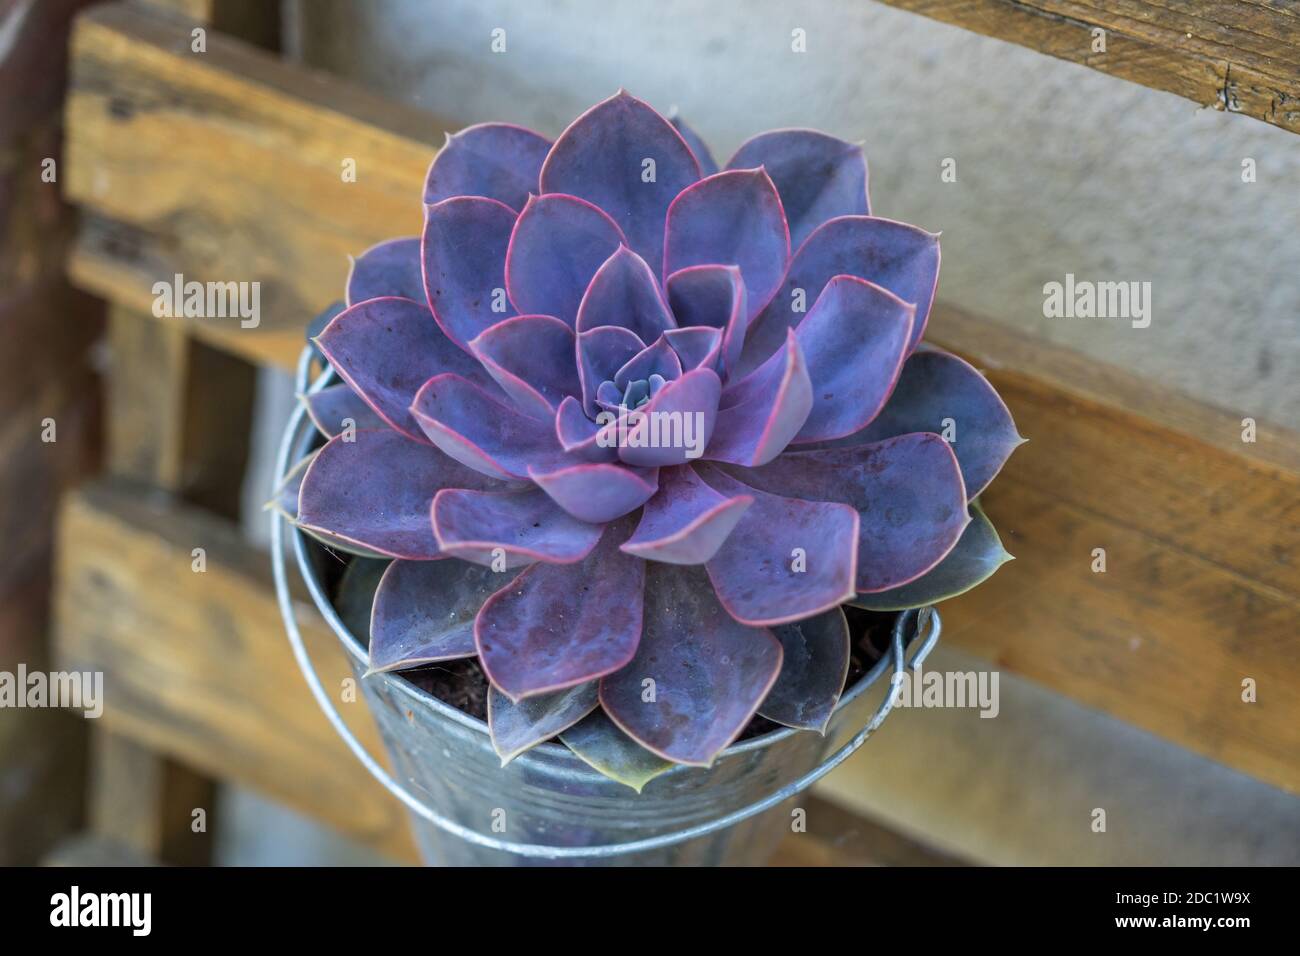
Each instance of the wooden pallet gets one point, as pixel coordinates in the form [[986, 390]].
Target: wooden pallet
[[1242, 56], [1201, 530]]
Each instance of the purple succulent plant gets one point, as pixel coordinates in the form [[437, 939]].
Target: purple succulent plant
[[631, 430]]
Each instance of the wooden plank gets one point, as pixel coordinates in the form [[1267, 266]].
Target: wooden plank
[[180, 411], [146, 408], [839, 837], [125, 793], [148, 803], [1119, 453], [254, 21], [1242, 56], [197, 665], [179, 419], [1201, 533], [268, 142], [91, 850], [1172, 662], [1143, 455]]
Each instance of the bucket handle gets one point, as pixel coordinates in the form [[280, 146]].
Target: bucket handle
[[895, 658]]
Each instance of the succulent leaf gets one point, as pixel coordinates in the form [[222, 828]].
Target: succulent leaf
[[697, 346], [977, 555], [625, 158], [819, 177], [557, 245], [707, 672], [601, 353], [708, 165], [938, 392], [714, 296], [908, 491], [531, 358], [332, 406], [686, 521], [478, 431], [814, 666], [517, 527], [624, 292], [763, 412], [424, 612], [516, 727], [375, 492], [733, 218], [598, 492], [786, 559], [893, 255], [389, 268], [386, 349], [656, 359], [496, 160], [463, 252], [579, 435], [560, 625], [854, 340], [599, 743]]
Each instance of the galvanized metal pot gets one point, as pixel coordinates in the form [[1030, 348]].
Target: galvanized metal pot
[[547, 806]]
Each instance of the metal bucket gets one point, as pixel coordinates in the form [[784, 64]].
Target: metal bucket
[[548, 806]]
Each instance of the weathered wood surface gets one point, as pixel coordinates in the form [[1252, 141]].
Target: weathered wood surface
[[254, 21], [180, 412], [196, 667], [179, 418], [89, 849], [1163, 483], [228, 166], [1237, 55], [195, 664], [1201, 533], [46, 382], [1143, 455], [159, 810]]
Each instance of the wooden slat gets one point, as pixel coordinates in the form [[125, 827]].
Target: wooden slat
[[1167, 478], [1143, 455], [146, 803], [93, 850], [146, 393], [1237, 55], [1201, 533], [1162, 640], [180, 411], [196, 665], [839, 837], [254, 21], [227, 166]]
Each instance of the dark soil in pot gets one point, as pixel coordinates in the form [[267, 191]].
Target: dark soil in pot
[[463, 685]]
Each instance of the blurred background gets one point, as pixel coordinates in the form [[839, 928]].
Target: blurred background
[[1123, 693]]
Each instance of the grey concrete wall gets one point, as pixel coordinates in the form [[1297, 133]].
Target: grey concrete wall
[[1059, 168]]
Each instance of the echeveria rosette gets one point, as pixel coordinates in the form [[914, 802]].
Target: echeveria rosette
[[492, 434]]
